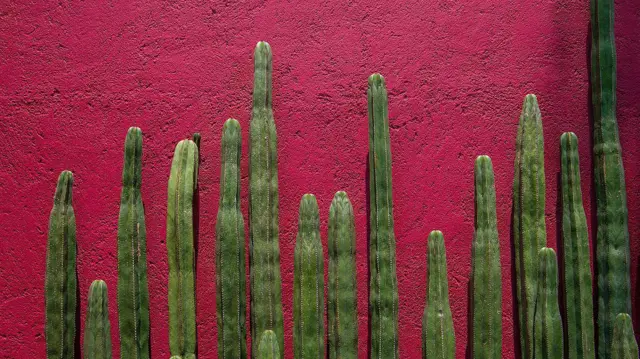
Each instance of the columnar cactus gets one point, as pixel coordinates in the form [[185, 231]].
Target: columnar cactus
[[342, 298], [623, 341], [133, 292], [266, 288], [230, 263], [180, 242], [486, 274], [383, 287], [529, 229], [60, 281], [547, 327], [97, 328], [575, 241], [268, 347], [438, 336], [308, 290]]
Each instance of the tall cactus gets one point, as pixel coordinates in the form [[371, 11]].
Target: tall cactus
[[383, 287], [575, 241], [60, 281], [342, 299], [308, 290], [438, 336], [268, 347], [97, 328], [529, 229], [547, 327], [133, 292], [180, 243], [266, 287], [623, 341], [486, 273], [230, 263]]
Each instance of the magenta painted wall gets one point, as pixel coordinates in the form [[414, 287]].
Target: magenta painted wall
[[76, 75]]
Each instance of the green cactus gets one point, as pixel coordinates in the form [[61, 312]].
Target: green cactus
[[133, 292], [529, 229], [623, 341], [97, 328], [486, 273], [547, 326], [60, 281], [383, 287], [342, 299], [230, 264], [268, 347], [438, 335], [575, 240], [266, 287], [180, 242], [308, 290]]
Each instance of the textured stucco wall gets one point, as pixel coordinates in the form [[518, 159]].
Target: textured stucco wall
[[76, 75]]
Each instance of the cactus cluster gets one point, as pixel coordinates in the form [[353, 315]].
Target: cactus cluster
[[97, 329], [547, 325]]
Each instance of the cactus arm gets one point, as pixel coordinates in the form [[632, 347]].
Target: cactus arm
[[97, 329], [548, 336], [623, 341], [269, 347]]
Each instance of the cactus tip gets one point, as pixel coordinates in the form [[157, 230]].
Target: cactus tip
[[376, 80]]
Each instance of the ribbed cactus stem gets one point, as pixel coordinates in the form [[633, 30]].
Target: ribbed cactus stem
[[97, 328], [342, 298], [308, 290], [383, 287], [438, 335], [547, 337], [623, 341], [269, 348], [60, 281], [230, 263], [529, 229], [575, 241], [266, 287], [180, 244], [486, 273]]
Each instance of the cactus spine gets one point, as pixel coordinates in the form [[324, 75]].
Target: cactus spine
[[577, 272], [486, 274], [61, 282], [133, 293], [266, 288], [230, 263], [180, 241], [438, 336], [308, 291], [529, 229], [623, 342], [547, 337], [97, 329], [342, 299], [383, 287], [269, 347]]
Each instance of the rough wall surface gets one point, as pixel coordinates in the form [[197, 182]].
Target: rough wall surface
[[76, 75]]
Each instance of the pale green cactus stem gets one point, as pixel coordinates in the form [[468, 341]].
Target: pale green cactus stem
[[97, 328], [623, 341], [60, 281], [268, 347], [548, 336]]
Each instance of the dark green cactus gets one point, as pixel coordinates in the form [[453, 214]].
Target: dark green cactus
[[623, 341], [529, 229], [133, 292], [60, 281], [383, 287], [342, 299], [486, 273], [438, 335], [547, 326], [266, 287], [230, 264], [180, 243], [577, 271], [269, 348], [308, 290], [97, 328]]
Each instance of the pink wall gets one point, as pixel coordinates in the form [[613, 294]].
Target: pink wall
[[76, 75]]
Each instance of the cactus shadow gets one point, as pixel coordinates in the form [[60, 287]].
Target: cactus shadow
[[368, 210], [77, 345], [514, 291], [561, 262]]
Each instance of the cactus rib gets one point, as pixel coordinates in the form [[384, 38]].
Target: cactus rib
[[623, 341], [548, 336], [97, 331]]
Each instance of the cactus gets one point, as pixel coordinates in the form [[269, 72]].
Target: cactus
[[180, 242], [623, 341], [308, 291], [577, 271], [342, 300], [61, 282], [547, 326], [269, 347], [383, 287], [486, 274], [438, 336], [97, 329], [133, 292], [266, 288], [230, 263], [529, 229]]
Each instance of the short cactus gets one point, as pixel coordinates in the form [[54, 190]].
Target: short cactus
[[623, 341], [97, 328], [547, 326], [268, 347]]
